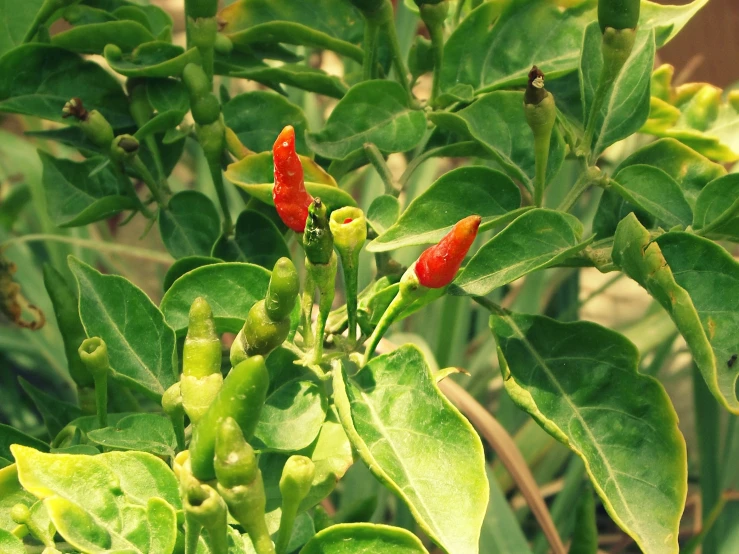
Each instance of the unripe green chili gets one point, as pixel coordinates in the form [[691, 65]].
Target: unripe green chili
[[124, 148], [541, 113], [267, 324], [240, 484], [349, 228], [201, 361], [205, 509], [94, 354], [433, 13], [196, 80], [241, 397], [93, 124], [321, 264], [618, 14], [172, 406], [295, 483]]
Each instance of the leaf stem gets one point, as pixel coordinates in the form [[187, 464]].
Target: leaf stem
[[587, 178], [378, 162], [123, 249], [45, 11], [398, 62], [720, 220], [149, 181], [369, 43]]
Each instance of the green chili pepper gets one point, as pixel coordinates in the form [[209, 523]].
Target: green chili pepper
[[618, 14], [201, 361], [541, 113], [349, 228], [241, 397], [317, 238], [172, 406], [93, 124], [94, 354], [267, 324], [124, 148], [433, 13], [240, 484], [295, 483], [196, 81], [204, 509]]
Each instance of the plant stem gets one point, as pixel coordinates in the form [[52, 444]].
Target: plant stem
[[45, 11], [369, 43], [581, 185], [433, 16], [720, 220], [101, 399], [123, 249], [378, 162], [398, 62], [149, 181], [192, 534], [217, 175]]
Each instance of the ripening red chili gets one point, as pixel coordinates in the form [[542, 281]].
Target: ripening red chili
[[289, 194], [438, 265]]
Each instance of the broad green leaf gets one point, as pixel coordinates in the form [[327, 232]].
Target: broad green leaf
[[10, 544], [654, 191], [402, 426], [383, 213], [189, 225], [497, 122], [693, 279], [231, 289], [90, 423], [11, 493], [167, 95], [256, 240], [332, 196], [132, 510], [719, 199], [471, 190], [612, 208], [16, 19], [626, 104], [10, 435], [315, 23], [538, 239], [295, 75], [154, 18], [185, 265], [258, 117], [46, 77], [151, 433], [151, 59], [355, 538], [92, 39], [140, 343], [501, 533], [55, 413], [76, 198], [525, 33], [580, 382], [292, 417], [667, 21], [374, 111]]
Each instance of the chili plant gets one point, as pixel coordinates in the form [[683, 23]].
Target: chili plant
[[477, 159]]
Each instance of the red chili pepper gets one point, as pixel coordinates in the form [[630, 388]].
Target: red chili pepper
[[289, 194], [438, 265]]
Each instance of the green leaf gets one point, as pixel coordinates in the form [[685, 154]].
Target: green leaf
[[693, 279], [402, 425], [11, 493], [190, 224], [10, 435], [92, 39], [626, 105], [654, 191], [151, 433], [46, 77], [303, 77], [292, 417], [75, 197], [185, 265], [315, 23], [355, 538], [497, 122], [383, 213], [231, 289], [501, 533], [167, 95], [151, 59], [10, 544], [16, 19], [713, 203], [525, 33], [132, 510], [140, 343], [536, 240], [55, 413], [256, 240], [258, 117], [152, 17], [580, 382], [373, 111], [667, 21], [471, 190]]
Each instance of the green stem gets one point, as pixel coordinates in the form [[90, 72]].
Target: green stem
[[604, 84], [720, 220], [178, 423], [149, 181], [541, 157], [98, 246], [401, 70], [217, 175], [708, 524], [436, 33], [584, 181], [350, 268], [306, 305], [101, 399], [489, 305], [369, 44], [325, 279], [287, 521], [378, 162], [192, 534], [46, 10]]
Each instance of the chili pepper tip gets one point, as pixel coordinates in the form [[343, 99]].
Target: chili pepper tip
[[438, 265]]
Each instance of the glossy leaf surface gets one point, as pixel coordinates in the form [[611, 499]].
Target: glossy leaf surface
[[455, 195], [402, 425], [231, 289], [151, 433], [355, 538], [256, 240], [580, 382], [190, 224], [185, 265], [536, 240], [140, 344], [93, 38]]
